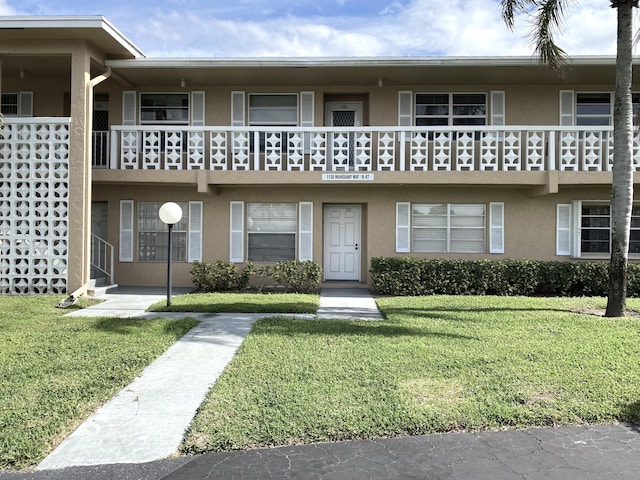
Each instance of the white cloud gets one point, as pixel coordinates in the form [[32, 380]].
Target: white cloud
[[414, 27], [6, 9]]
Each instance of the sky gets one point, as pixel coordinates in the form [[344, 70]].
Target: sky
[[330, 28]]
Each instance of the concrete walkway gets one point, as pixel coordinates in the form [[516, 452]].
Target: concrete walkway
[[147, 420]]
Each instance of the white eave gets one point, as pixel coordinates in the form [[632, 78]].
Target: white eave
[[71, 23], [319, 62]]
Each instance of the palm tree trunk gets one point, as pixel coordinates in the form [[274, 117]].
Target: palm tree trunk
[[622, 185]]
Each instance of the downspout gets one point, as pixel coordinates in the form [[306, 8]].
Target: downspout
[[73, 298]]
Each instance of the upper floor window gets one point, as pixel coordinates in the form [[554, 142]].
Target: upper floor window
[[596, 108], [17, 104], [10, 104], [273, 109], [169, 108], [441, 109], [593, 109]]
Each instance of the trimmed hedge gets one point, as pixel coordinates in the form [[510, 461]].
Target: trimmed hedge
[[294, 275], [412, 276]]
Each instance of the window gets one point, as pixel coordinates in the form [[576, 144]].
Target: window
[[273, 109], [271, 231], [583, 228], [441, 109], [448, 228], [164, 108], [595, 232], [593, 109], [10, 104], [596, 109], [153, 234], [17, 104]]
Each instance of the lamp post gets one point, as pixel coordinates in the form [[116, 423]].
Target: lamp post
[[169, 213]]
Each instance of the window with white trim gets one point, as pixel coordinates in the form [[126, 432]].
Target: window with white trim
[[583, 229], [450, 227], [273, 109], [18, 104], [10, 104], [164, 108], [271, 231], [441, 109], [595, 229], [153, 234], [596, 108]]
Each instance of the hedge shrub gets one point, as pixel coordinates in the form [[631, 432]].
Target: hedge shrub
[[417, 276], [293, 275]]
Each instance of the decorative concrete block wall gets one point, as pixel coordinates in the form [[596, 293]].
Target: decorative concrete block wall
[[34, 205]]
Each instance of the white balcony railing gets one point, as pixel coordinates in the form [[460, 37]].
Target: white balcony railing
[[522, 148]]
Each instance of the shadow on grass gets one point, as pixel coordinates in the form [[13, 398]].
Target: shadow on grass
[[129, 326], [462, 314], [288, 326], [238, 307]]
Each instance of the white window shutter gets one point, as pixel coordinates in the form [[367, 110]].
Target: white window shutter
[[25, 104], [126, 231], [307, 115], [236, 235], [129, 108], [403, 227], [237, 109], [567, 108], [496, 227], [305, 231], [563, 229], [306, 109], [576, 230], [497, 108], [195, 232], [405, 108], [197, 109]]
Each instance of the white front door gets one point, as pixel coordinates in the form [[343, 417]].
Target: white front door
[[342, 242]]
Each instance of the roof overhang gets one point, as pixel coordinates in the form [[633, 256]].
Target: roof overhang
[[353, 71], [94, 29]]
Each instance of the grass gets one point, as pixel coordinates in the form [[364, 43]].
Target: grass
[[436, 364], [56, 370], [240, 303]]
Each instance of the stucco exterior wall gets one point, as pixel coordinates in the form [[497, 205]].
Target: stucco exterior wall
[[529, 222]]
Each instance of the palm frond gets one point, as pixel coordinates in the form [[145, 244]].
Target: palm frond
[[513, 8], [549, 18]]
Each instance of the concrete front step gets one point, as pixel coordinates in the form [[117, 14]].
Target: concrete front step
[[96, 291]]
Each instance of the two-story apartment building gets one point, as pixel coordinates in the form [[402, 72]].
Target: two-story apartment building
[[331, 159]]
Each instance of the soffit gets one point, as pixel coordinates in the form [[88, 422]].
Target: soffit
[[95, 30], [356, 72]]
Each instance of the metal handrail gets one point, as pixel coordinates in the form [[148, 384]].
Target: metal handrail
[[102, 256]]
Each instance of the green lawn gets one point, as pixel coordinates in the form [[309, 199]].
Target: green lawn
[[55, 370], [436, 364], [241, 303]]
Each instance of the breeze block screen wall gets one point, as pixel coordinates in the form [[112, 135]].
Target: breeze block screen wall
[[34, 205]]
